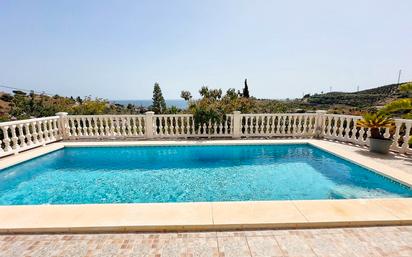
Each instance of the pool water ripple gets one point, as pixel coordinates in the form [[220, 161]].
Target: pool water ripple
[[190, 174]]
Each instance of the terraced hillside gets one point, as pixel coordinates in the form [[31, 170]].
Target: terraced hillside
[[365, 98]]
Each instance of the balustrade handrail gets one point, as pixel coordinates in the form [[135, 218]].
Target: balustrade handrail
[[17, 136], [17, 122]]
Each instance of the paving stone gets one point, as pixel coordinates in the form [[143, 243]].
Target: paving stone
[[367, 241]]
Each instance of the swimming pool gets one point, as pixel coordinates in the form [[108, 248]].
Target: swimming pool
[[79, 175]]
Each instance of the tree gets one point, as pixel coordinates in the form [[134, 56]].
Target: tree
[[186, 95], [159, 104], [79, 100], [246, 90]]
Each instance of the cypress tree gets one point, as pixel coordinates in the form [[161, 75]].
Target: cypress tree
[[159, 104], [246, 90]]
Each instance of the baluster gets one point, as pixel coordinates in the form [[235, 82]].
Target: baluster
[[276, 125], [114, 126], [1, 148], [222, 129], [40, 132], [45, 131], [99, 126], [188, 125], [14, 138], [296, 128], [396, 136], [215, 128], [307, 126], [168, 125], [117, 126], [172, 125], [160, 126], [405, 143], [56, 131], [271, 121], [204, 132], [347, 129], [6, 139], [354, 138], [338, 126], [368, 135], [179, 125], [70, 127], [282, 124], [184, 125], [303, 127], [289, 124], [250, 125], [28, 134], [133, 126], [193, 127], [266, 124], [246, 125], [255, 125], [209, 128], [335, 129], [140, 126], [126, 126], [94, 128], [84, 127], [51, 130], [112, 122], [123, 126], [361, 139], [258, 124], [79, 128], [329, 127], [22, 136], [262, 126], [387, 133], [90, 125], [107, 127]]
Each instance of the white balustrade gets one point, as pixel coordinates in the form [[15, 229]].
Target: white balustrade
[[104, 126], [17, 136], [268, 125]]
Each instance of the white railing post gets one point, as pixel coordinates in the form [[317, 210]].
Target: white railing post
[[62, 124], [319, 121], [148, 121], [237, 126]]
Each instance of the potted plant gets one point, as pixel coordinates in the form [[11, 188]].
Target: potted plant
[[375, 121]]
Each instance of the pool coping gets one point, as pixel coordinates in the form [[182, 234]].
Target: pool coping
[[208, 215]]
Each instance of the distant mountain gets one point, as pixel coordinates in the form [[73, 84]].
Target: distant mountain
[[365, 98]]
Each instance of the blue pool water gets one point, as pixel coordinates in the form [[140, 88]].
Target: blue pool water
[[190, 173]]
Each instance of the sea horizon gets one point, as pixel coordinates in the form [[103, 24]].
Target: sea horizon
[[179, 103]]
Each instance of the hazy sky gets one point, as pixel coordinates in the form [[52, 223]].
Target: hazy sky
[[118, 49]]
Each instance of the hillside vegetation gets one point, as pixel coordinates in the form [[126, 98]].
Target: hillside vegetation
[[21, 105], [366, 98]]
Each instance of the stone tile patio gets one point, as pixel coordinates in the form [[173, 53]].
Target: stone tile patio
[[367, 241]]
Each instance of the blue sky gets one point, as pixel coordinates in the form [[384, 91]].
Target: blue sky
[[118, 49]]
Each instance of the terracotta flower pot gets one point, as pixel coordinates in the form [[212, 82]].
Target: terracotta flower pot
[[380, 145]]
